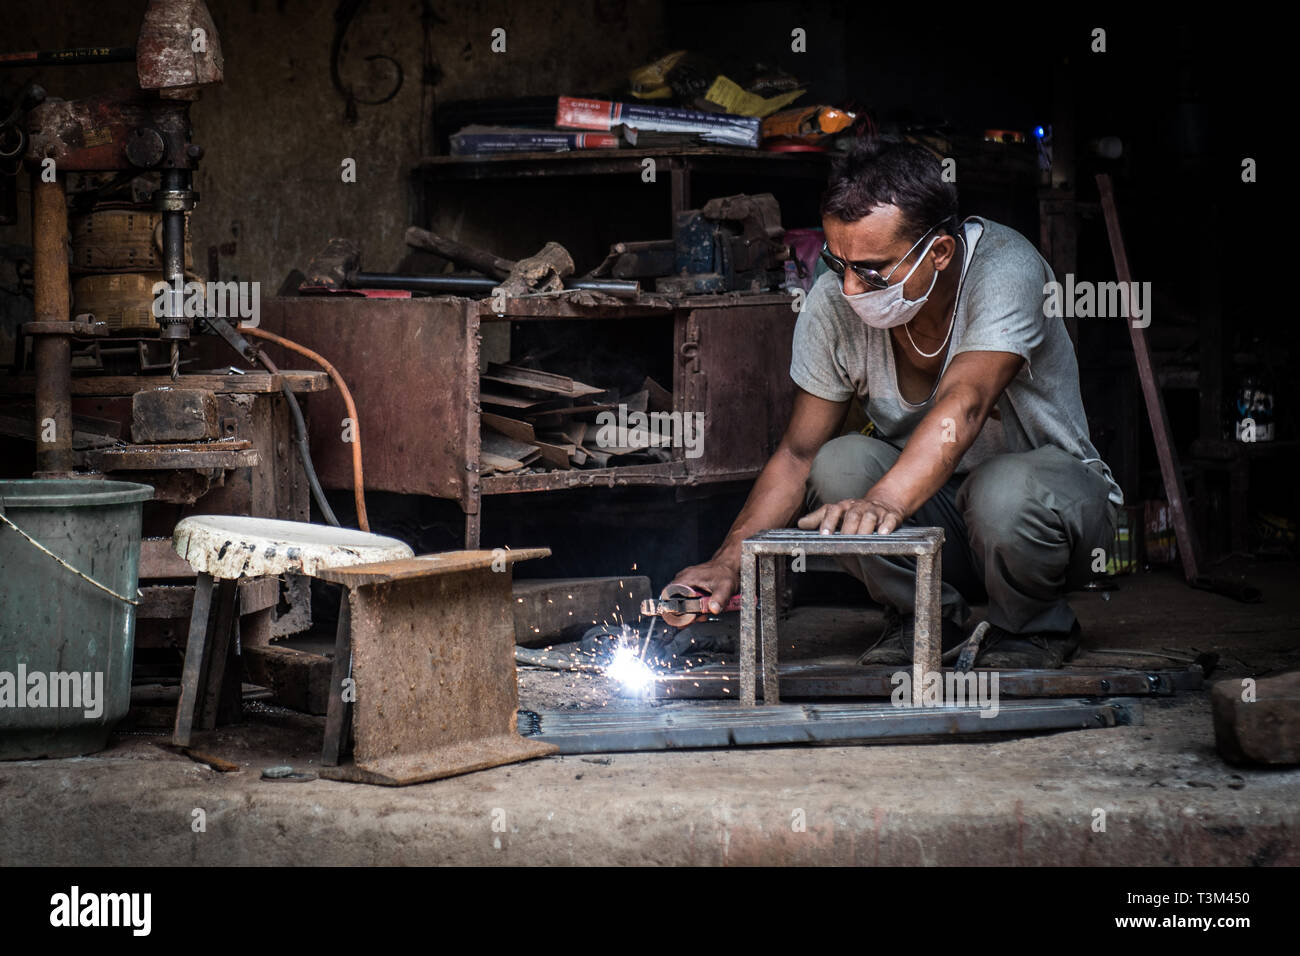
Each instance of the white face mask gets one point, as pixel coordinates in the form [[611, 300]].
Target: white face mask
[[886, 308]]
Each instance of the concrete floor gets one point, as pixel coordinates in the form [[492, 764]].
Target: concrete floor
[[1167, 797]]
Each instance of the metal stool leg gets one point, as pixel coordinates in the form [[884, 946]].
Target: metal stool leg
[[221, 698], [196, 651], [748, 637], [768, 614], [338, 718], [927, 643]]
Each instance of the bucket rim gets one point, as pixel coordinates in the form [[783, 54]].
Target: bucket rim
[[70, 492]]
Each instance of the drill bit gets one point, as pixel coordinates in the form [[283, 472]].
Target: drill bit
[[176, 360]]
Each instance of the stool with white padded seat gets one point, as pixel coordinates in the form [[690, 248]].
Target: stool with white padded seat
[[225, 548]]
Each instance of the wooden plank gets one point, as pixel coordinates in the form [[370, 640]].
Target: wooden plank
[[427, 565], [537, 379], [574, 432], [251, 383], [489, 463], [506, 401], [175, 601], [225, 454], [546, 415], [158, 559], [1188, 550], [510, 427], [494, 443], [557, 455]]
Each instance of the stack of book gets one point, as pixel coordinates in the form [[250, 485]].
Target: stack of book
[[605, 124]]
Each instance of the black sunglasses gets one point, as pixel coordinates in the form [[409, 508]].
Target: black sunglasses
[[868, 276]]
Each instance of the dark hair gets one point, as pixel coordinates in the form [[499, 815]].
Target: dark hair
[[888, 171]]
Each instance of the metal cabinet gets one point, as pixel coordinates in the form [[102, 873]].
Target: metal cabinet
[[413, 368]]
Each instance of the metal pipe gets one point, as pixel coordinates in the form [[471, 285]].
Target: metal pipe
[[53, 353], [623, 289]]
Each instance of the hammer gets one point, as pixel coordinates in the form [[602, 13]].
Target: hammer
[[338, 267], [544, 272]]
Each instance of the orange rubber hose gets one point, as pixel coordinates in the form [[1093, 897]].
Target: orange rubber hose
[[358, 483]]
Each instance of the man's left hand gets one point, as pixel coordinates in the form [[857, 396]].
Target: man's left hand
[[869, 515]]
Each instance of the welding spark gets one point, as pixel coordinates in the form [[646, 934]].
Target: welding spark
[[629, 670]]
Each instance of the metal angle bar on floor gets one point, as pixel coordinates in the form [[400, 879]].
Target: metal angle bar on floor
[[814, 681], [696, 726]]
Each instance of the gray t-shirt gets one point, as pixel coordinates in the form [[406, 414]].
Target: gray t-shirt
[[999, 309]]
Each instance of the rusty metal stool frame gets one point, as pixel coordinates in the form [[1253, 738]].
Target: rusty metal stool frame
[[758, 580]]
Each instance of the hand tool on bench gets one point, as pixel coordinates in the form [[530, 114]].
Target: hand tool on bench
[[338, 268]]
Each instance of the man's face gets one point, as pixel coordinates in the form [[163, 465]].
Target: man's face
[[878, 242]]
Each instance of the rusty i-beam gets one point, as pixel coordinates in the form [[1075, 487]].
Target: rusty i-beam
[[758, 557], [426, 646]]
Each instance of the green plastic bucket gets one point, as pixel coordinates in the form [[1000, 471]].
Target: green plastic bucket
[[66, 646]]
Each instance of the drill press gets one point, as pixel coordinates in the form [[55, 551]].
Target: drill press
[[135, 130]]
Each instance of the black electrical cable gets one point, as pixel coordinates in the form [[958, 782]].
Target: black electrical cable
[[300, 440]]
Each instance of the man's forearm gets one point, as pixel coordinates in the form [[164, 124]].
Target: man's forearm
[[933, 451], [777, 496]]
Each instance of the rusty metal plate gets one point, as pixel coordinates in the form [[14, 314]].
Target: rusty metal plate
[[412, 368], [734, 366]]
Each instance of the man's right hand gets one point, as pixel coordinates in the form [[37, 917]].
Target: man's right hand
[[716, 579]]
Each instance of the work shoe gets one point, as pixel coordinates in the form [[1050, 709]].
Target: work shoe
[[1044, 650], [894, 646]]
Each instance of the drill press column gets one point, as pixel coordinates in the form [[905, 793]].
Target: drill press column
[[173, 200]]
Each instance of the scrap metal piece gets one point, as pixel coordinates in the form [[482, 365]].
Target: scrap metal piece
[[432, 653], [695, 726], [758, 561]]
